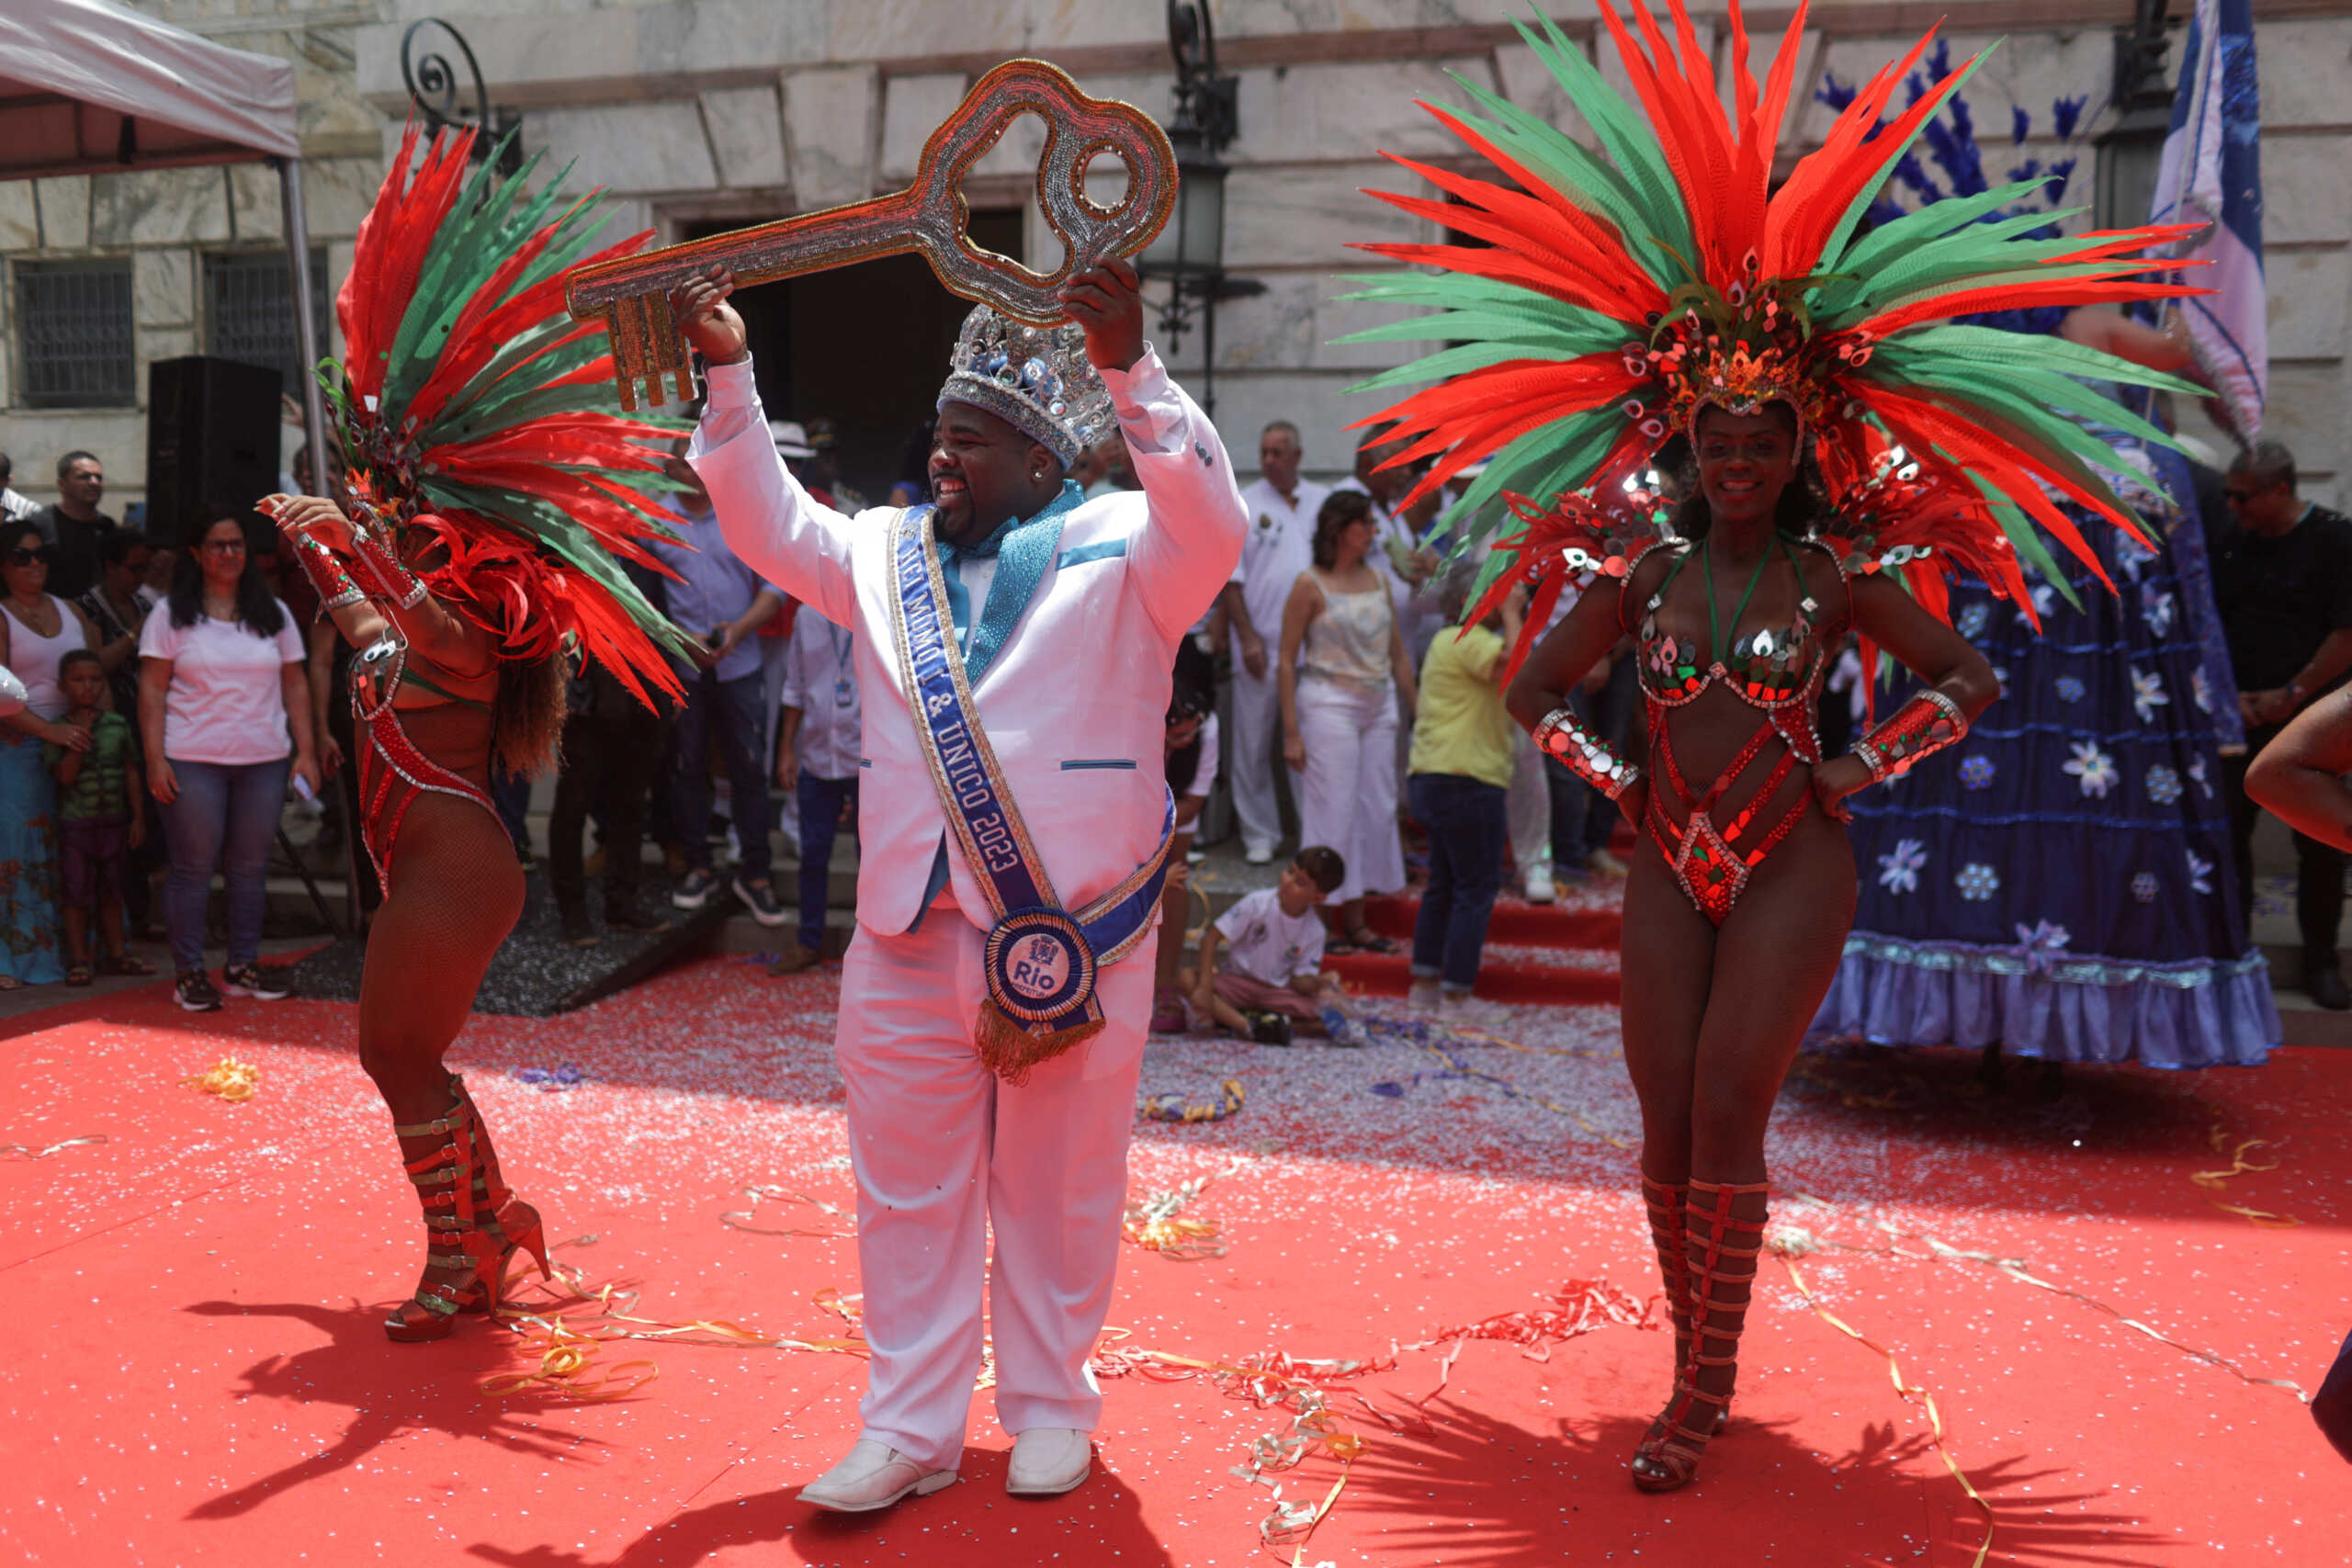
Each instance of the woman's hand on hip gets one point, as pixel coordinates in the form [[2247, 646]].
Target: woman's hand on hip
[[1838, 778], [161, 783], [1634, 800]]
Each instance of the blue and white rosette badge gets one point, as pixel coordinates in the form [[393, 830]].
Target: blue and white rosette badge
[[1041, 960]]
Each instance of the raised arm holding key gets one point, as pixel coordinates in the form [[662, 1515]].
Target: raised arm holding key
[[991, 1022]]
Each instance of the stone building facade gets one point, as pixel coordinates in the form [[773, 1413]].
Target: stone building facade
[[701, 115]]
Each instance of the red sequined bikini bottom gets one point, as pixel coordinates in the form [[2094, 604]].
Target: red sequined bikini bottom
[[1704, 859], [393, 774]]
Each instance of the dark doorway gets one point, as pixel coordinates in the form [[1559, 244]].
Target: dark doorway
[[864, 347]]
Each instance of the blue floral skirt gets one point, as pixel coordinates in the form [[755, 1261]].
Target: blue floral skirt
[[2061, 882], [31, 944]]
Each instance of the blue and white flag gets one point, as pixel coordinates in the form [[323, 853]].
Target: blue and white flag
[[2212, 174]]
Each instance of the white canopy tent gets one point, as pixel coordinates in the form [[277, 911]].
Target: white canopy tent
[[91, 87]]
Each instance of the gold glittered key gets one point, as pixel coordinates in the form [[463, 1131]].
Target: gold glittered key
[[631, 293]]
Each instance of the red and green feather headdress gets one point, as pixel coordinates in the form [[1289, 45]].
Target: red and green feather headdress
[[471, 407], [1620, 292]]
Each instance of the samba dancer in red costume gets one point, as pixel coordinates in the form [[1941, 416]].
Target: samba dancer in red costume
[[1850, 446], [466, 567]]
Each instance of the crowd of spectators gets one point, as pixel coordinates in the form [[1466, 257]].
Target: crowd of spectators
[[175, 700]]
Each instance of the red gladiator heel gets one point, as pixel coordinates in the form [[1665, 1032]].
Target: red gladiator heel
[[1725, 1227], [466, 1204], [1670, 1234]]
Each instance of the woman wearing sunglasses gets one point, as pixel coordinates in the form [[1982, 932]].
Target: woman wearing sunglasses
[[36, 631], [225, 713]]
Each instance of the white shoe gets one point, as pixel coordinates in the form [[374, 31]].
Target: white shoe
[[1049, 1461], [1259, 854], [1539, 883], [1422, 995], [873, 1475], [1461, 1008]]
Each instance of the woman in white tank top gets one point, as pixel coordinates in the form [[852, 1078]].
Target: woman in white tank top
[[37, 630], [1341, 672]]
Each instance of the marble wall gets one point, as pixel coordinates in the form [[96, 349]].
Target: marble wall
[[690, 111]]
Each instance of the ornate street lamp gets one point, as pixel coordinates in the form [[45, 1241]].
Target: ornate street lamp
[[2129, 152], [1190, 252], [432, 88]]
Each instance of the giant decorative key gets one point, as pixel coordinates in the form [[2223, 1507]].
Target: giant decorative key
[[631, 293]]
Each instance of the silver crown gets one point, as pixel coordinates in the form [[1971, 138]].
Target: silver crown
[[1036, 378]]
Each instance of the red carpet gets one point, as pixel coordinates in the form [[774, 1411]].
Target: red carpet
[[196, 1375]]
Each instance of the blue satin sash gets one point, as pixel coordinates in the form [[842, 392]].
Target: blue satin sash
[[1041, 959]]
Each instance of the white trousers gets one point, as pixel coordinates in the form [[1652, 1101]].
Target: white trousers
[[1527, 806], [1251, 751], [1347, 793], [942, 1150]]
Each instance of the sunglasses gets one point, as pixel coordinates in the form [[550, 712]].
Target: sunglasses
[[29, 556]]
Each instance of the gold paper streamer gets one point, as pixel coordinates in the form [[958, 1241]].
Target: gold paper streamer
[[740, 1220], [565, 1341], [2213, 1180], [1155, 1222], [565, 1363], [26, 1151], [1796, 1242], [227, 1078], [1175, 1108], [1909, 1392]]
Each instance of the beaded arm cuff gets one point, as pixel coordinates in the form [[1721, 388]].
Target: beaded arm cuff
[[1583, 754], [1928, 723], [335, 585], [379, 561]]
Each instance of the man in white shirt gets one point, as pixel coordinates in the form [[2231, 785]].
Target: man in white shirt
[[1279, 545], [817, 762], [1011, 610]]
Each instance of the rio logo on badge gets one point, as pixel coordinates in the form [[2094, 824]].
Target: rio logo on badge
[[1040, 968]]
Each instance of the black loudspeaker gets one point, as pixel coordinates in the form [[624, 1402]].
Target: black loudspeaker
[[211, 438]]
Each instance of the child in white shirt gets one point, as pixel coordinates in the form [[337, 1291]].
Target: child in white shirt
[[1276, 944]]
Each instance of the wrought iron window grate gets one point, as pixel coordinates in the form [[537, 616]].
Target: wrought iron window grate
[[249, 311], [74, 322]]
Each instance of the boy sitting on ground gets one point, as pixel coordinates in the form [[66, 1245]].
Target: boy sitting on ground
[[1277, 950]]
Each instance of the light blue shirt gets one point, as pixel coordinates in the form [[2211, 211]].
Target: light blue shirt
[[712, 588]]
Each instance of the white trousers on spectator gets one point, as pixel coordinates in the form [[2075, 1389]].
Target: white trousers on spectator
[[1252, 749], [942, 1151], [1527, 806], [1347, 793]]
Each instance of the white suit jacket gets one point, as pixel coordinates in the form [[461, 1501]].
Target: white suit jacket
[[1076, 701]]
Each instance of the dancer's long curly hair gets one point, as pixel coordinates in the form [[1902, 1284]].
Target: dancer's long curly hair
[[526, 717]]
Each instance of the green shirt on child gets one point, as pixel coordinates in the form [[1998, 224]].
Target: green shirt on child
[[101, 791]]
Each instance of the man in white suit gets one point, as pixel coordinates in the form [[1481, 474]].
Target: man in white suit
[[1066, 613], [1281, 545]]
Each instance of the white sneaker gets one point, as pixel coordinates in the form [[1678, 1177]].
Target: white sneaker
[[1539, 883], [1461, 1008], [873, 1475], [1259, 854], [1422, 995], [1049, 1461]]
